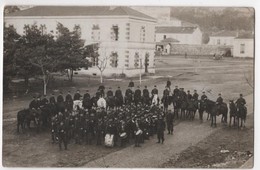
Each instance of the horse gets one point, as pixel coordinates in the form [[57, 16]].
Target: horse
[[166, 100], [202, 106], [191, 109], [216, 110], [241, 113], [232, 113], [155, 99], [184, 105], [21, 118]]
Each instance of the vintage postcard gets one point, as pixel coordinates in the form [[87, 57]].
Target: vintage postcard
[[128, 86]]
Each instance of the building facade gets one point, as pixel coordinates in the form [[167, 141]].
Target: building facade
[[244, 46], [185, 35], [223, 38], [126, 37]]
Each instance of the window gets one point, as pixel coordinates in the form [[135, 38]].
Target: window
[[146, 61], [136, 60], [95, 33], [218, 41], [114, 59], [115, 32], [242, 48], [142, 34], [164, 37]]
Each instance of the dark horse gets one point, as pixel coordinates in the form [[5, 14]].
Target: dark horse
[[22, 115], [241, 114], [216, 110], [232, 112]]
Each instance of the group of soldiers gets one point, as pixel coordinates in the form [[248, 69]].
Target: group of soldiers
[[138, 119]]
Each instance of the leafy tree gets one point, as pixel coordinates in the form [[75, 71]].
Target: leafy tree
[[39, 50], [10, 45], [70, 49], [11, 9]]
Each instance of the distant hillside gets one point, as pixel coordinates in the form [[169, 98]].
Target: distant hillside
[[212, 19]]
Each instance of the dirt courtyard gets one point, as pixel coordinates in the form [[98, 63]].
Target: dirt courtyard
[[194, 144]]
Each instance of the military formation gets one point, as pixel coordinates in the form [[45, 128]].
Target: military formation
[[111, 119]]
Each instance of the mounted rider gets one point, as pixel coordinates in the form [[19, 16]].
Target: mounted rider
[[240, 101], [137, 95]]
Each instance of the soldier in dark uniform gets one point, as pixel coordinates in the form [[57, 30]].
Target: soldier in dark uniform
[[169, 121], [69, 101], [101, 89], [189, 96], [54, 125], [60, 98], [119, 97], [176, 91], [146, 96], [137, 95], [219, 100], [77, 96], [128, 95], [166, 91], [154, 91], [110, 93], [86, 95], [136, 129], [131, 84], [52, 99], [203, 97], [160, 129], [33, 103], [62, 135], [195, 95], [45, 101], [240, 101], [99, 130]]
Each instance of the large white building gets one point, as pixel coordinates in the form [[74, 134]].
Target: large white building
[[244, 46], [125, 36], [223, 38]]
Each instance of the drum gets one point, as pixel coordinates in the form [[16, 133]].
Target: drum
[[109, 140], [123, 135], [139, 132]]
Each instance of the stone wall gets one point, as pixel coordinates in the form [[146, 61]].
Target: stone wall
[[181, 49]]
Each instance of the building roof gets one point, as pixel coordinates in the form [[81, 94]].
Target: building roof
[[176, 30], [224, 33], [169, 40], [80, 11], [246, 36]]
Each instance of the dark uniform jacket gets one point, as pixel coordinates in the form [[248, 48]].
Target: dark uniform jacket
[[219, 100], [118, 94], [110, 93], [195, 96], [176, 92], [68, 98], [154, 91], [86, 95], [137, 94], [52, 100], [60, 99], [203, 97], [77, 96], [240, 102], [189, 96], [146, 93], [160, 125]]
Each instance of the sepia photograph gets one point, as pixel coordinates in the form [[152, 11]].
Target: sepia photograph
[[128, 86]]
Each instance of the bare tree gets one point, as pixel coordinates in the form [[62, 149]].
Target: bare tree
[[102, 64]]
